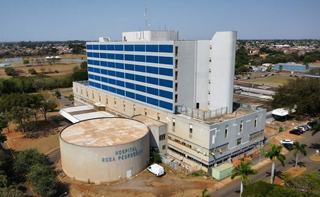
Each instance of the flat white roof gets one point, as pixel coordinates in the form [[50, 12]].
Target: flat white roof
[[80, 113]]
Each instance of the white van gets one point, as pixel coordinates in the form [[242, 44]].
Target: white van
[[156, 169]]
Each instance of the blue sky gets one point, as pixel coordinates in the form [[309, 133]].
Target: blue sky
[[39, 20]]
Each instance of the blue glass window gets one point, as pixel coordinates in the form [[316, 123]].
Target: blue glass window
[[119, 65], [104, 87], [140, 98], [112, 73], [96, 55], [120, 83], [128, 47], [119, 56], [140, 88], [166, 83], [111, 64], [90, 69], [112, 89], [103, 55], [89, 47], [90, 76], [140, 68], [140, 48], [152, 59], [103, 79], [118, 47], [90, 61], [91, 83], [152, 48], [129, 67], [103, 71], [98, 85], [140, 58], [166, 71], [129, 76], [121, 92], [89, 54], [166, 48], [96, 70], [166, 105], [120, 74], [165, 94], [152, 80], [130, 94], [103, 63], [110, 47], [152, 101], [95, 62], [95, 47], [129, 57], [153, 91], [110, 55], [153, 70], [130, 85], [166, 60], [97, 78], [140, 78], [112, 81], [103, 47]]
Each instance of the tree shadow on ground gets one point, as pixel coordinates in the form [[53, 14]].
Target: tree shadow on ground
[[300, 163], [315, 146]]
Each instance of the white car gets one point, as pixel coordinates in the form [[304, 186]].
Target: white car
[[286, 141]]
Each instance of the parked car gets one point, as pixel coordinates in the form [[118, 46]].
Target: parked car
[[156, 169], [307, 127], [312, 123], [286, 141], [296, 131], [302, 128]]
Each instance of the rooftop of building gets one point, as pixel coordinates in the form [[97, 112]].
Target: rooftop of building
[[148, 121], [216, 116], [104, 132]]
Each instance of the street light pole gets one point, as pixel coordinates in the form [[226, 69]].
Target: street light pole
[[175, 182]]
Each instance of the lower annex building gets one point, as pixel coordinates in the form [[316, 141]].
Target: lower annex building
[[183, 91]]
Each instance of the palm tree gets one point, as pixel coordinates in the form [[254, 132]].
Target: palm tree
[[243, 170], [298, 148], [205, 193], [273, 154]]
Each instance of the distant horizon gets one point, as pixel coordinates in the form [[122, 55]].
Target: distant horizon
[[87, 20]]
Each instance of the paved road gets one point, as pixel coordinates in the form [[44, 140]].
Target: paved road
[[313, 143]]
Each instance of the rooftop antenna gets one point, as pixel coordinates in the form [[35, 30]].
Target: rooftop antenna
[[145, 17]]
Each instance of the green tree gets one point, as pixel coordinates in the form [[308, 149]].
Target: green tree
[[273, 154], [157, 158], [71, 97], [58, 94], [11, 191], [300, 94], [258, 189], [26, 159], [42, 178], [280, 68], [316, 128], [32, 71], [306, 184], [47, 103], [280, 191], [84, 65], [26, 61], [80, 75], [3, 138], [298, 148], [76, 68], [10, 71], [243, 170]]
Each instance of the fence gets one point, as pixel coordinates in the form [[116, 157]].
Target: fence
[[201, 115]]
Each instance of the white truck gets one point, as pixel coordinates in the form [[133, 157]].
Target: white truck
[[156, 169]]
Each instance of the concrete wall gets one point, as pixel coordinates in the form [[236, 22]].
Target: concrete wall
[[86, 163], [155, 141], [222, 67], [186, 73]]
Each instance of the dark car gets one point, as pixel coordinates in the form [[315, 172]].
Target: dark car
[[288, 146], [312, 123], [296, 131]]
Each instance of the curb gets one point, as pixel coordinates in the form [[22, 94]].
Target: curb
[[52, 150], [317, 160]]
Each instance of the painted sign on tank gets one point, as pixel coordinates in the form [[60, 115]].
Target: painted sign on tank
[[122, 154]]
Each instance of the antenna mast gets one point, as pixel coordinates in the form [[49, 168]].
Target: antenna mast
[[145, 17]]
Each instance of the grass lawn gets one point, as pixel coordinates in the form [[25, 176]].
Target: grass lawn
[[279, 80]]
